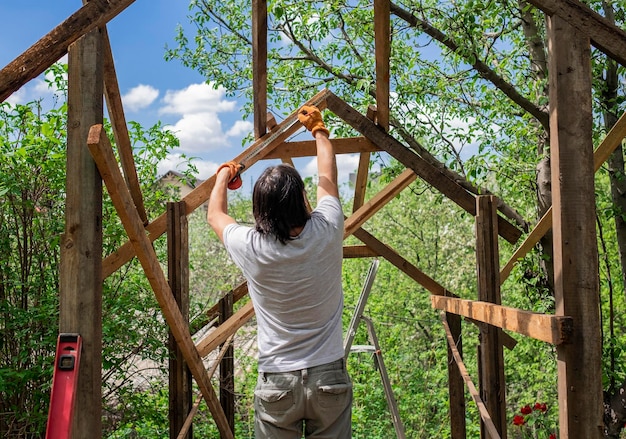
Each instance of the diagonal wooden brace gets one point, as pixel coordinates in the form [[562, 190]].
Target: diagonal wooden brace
[[102, 152]]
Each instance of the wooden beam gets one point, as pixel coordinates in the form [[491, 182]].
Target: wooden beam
[[422, 168], [362, 177], [215, 338], [194, 199], [358, 251], [604, 35], [576, 278], [307, 148], [102, 153], [180, 380], [379, 201], [484, 413], [549, 328], [45, 52], [80, 286], [491, 355], [120, 130], [382, 38], [259, 66], [456, 394]]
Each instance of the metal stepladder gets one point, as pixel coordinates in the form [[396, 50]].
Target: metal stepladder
[[374, 348]]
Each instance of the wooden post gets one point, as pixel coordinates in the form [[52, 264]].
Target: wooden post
[[80, 285], [456, 387], [491, 359], [227, 365], [180, 379], [574, 228], [259, 63]]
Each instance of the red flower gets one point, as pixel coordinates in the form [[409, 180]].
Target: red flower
[[526, 410], [552, 436], [541, 407], [518, 420]]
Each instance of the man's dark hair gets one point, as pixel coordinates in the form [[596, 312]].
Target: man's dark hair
[[278, 202]]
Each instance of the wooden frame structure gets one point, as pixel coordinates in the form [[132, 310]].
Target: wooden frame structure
[[574, 329]]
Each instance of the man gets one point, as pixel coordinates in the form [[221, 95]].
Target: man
[[292, 261]]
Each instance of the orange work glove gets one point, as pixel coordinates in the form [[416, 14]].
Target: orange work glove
[[311, 118], [234, 181]]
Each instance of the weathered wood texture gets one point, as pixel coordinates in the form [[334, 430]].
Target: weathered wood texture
[[482, 409], [120, 130], [382, 37], [80, 287], [227, 365], [456, 387], [307, 148], [491, 356], [408, 158], [545, 327], [259, 66], [53, 45], [102, 152], [575, 246], [603, 34], [180, 384]]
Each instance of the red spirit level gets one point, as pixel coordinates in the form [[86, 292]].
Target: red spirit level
[[64, 381]]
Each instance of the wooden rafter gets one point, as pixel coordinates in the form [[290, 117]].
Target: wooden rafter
[[50, 48], [408, 158], [102, 152], [545, 327]]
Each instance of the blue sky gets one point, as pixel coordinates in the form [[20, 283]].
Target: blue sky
[[208, 123]]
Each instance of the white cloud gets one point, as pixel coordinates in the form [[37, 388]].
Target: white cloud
[[200, 128], [140, 97], [199, 133], [197, 98], [240, 129]]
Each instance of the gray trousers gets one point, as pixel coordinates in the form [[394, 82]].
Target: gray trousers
[[316, 402]]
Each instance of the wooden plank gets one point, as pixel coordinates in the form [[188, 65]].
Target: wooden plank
[[604, 35], [382, 38], [45, 52], [576, 279], [194, 199], [484, 413], [422, 168], [102, 153], [120, 130], [358, 251], [187, 425], [491, 355], [307, 148], [360, 185], [552, 329], [227, 365], [377, 202], [213, 339], [259, 66], [180, 380], [80, 287], [456, 394]]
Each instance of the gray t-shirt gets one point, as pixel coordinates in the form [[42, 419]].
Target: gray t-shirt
[[296, 289]]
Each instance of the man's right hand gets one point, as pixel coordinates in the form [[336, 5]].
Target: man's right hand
[[311, 118]]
